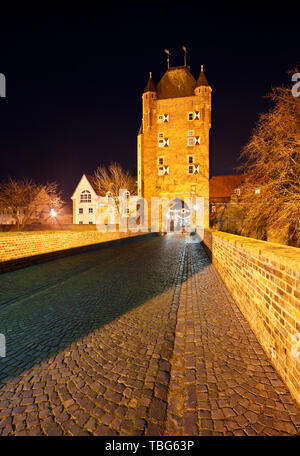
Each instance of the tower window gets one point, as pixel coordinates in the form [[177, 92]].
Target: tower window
[[163, 142], [190, 115], [190, 141], [191, 133], [163, 118], [160, 135], [90, 210], [160, 160], [80, 210], [190, 159], [162, 170], [191, 169]]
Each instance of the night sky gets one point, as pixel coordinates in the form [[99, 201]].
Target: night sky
[[74, 83]]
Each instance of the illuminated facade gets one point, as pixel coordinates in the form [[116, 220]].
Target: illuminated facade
[[173, 141]]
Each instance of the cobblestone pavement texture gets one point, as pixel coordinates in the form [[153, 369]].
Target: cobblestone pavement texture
[[138, 339]]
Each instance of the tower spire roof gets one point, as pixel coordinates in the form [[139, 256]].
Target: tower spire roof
[[202, 81], [150, 87]]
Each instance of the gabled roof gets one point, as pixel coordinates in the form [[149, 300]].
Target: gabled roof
[[176, 82], [91, 181], [223, 186]]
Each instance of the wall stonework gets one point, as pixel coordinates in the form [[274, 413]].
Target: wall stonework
[[15, 246], [264, 280]]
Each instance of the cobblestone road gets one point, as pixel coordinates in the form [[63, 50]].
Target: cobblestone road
[[138, 339]]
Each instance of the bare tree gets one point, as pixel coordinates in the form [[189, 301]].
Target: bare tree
[[110, 182], [24, 201], [271, 194]]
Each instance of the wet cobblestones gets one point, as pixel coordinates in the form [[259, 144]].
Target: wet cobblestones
[[139, 339]]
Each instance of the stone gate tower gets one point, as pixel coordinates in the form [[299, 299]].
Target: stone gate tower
[[173, 140]]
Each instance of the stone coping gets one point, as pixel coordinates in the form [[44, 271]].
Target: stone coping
[[289, 256]]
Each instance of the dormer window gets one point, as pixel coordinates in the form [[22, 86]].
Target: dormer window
[[85, 196]]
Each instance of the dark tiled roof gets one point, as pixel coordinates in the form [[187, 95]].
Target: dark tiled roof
[[223, 186], [202, 81], [176, 82], [92, 181], [150, 87]]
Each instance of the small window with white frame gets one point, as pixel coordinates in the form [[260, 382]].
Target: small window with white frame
[[190, 159], [80, 210], [160, 161], [191, 133], [191, 116], [91, 210], [190, 141], [237, 191], [163, 118], [160, 135], [190, 169]]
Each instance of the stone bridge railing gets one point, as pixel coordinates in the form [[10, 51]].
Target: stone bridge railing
[[264, 280], [21, 249]]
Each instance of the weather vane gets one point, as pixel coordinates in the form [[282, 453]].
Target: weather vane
[[185, 53], [168, 58]]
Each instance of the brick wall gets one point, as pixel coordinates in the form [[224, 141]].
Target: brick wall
[[264, 280], [21, 249]]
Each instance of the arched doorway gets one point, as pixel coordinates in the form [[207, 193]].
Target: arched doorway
[[179, 215]]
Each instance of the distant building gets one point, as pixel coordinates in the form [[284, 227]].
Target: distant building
[[43, 214], [88, 204], [173, 141], [223, 188], [85, 199]]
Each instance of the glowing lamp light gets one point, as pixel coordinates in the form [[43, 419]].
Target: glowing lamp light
[[52, 213]]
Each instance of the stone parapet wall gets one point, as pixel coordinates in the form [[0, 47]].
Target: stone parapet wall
[[264, 280], [22, 249]]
